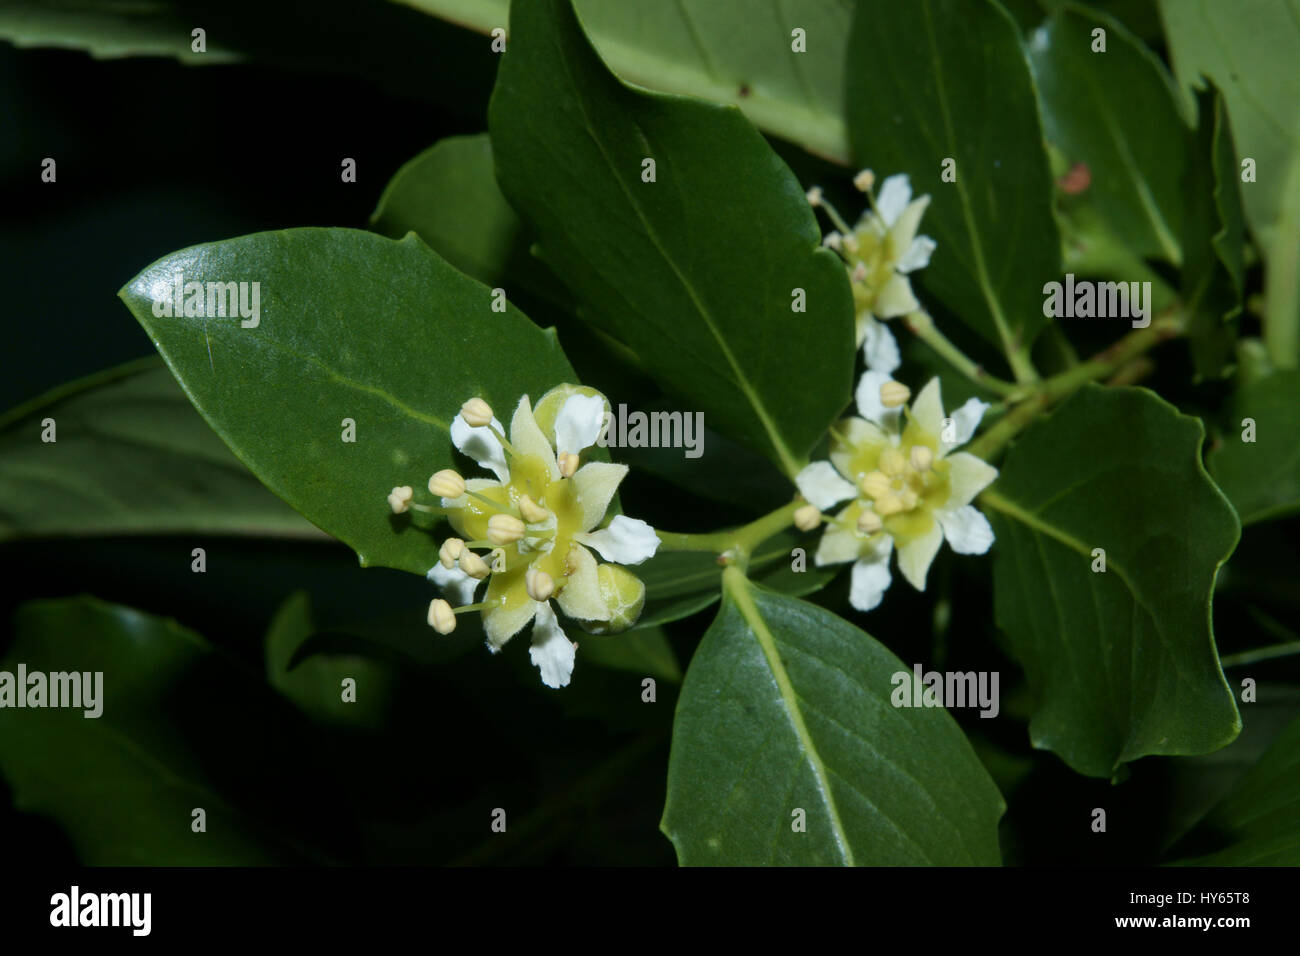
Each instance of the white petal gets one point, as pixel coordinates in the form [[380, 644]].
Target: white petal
[[967, 478], [481, 445], [552, 651], [895, 298], [578, 424], [527, 438], [965, 420], [879, 348], [823, 486], [457, 586], [927, 409], [869, 404], [915, 557], [871, 578], [967, 531], [903, 232], [595, 483], [895, 194], [917, 255], [840, 543], [625, 541]]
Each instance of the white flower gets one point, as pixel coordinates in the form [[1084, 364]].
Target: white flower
[[537, 522], [913, 490]]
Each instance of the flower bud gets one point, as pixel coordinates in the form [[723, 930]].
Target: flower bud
[[441, 617], [539, 584], [450, 551], [476, 412], [533, 512], [504, 529], [876, 484], [399, 499], [472, 564], [922, 458], [894, 394], [807, 517], [869, 522], [623, 593], [447, 484]]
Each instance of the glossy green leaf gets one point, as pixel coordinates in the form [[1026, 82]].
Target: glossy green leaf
[[728, 51], [787, 707], [130, 456], [1258, 823], [181, 727], [931, 80], [353, 327], [1213, 271], [682, 583], [1262, 477], [645, 651], [314, 681], [1248, 49], [111, 28], [1122, 662], [448, 195], [1118, 112], [694, 271]]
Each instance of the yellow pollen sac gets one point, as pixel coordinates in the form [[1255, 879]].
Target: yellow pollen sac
[[922, 458], [450, 551], [869, 522], [889, 504], [909, 499], [399, 499], [472, 564], [447, 484], [807, 517], [893, 462], [441, 617], [531, 510], [864, 180], [504, 529], [894, 394], [568, 463], [539, 584], [476, 413], [876, 484]]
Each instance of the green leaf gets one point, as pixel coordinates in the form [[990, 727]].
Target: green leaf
[[1248, 50], [644, 651], [1262, 478], [788, 707], [1258, 823], [130, 457], [682, 583], [694, 271], [110, 28], [695, 47], [1214, 235], [1118, 112], [1122, 662], [181, 727], [352, 326], [931, 80], [448, 195], [314, 682]]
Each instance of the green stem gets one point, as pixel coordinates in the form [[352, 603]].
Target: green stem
[[739, 542], [922, 326]]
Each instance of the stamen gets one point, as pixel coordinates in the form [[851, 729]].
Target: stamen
[[476, 413], [504, 529], [399, 499], [893, 462], [447, 484], [876, 485], [889, 504], [494, 505], [531, 511], [869, 522], [472, 564], [568, 463], [807, 517], [441, 617], [450, 551], [539, 585], [922, 458], [894, 394]]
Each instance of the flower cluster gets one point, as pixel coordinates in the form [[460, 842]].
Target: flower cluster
[[538, 520], [879, 252], [907, 488]]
